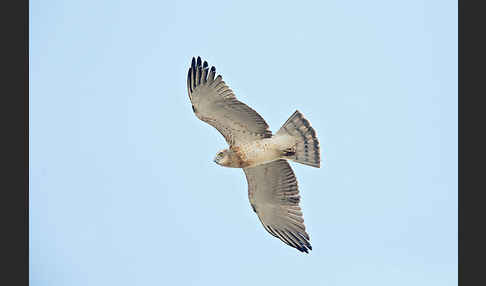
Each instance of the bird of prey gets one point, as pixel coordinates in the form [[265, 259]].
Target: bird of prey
[[272, 187]]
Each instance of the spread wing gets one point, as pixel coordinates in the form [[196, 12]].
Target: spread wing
[[214, 103], [274, 196]]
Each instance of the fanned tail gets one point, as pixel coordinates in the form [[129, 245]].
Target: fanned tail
[[306, 151]]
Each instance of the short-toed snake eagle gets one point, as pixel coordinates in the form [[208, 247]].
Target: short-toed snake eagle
[[272, 187]]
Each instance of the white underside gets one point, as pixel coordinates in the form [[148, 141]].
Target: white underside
[[266, 150]]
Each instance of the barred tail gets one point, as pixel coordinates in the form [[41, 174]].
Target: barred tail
[[306, 151]]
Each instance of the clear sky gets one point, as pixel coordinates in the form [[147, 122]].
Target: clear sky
[[123, 189]]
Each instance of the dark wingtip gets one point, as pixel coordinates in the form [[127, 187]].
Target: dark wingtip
[[193, 62], [198, 61], [205, 64], [302, 249], [189, 80]]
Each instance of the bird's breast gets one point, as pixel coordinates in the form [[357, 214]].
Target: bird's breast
[[257, 152]]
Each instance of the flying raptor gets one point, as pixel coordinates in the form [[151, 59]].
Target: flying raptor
[[272, 187]]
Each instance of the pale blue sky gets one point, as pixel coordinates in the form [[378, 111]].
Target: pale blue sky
[[123, 189]]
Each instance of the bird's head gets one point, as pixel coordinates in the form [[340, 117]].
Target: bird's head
[[228, 158], [223, 158]]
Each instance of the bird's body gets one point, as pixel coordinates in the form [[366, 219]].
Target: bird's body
[[260, 151], [272, 185]]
